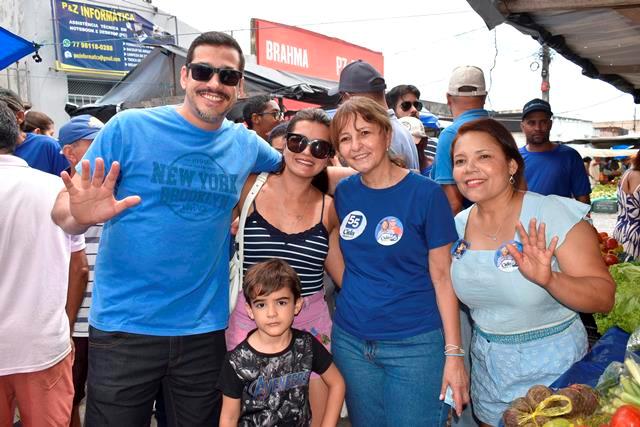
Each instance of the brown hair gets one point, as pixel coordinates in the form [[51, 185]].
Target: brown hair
[[270, 276], [36, 120], [370, 111], [503, 138], [636, 161]]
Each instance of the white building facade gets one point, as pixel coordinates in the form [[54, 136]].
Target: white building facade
[[49, 85]]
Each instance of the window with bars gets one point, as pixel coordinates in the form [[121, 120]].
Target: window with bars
[[83, 92]]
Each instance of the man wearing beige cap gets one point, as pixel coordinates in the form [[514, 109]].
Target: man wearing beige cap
[[465, 97]]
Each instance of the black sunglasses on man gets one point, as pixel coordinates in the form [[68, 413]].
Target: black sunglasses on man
[[204, 73]]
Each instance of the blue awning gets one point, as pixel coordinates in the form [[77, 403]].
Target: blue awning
[[14, 48]]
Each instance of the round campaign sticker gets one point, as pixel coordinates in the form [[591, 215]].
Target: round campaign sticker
[[353, 225], [389, 231], [503, 259], [459, 248]]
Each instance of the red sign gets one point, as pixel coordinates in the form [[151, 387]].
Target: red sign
[[286, 48]]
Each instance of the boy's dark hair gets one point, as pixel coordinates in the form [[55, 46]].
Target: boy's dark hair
[[270, 276], [254, 105], [394, 95], [215, 38], [9, 131]]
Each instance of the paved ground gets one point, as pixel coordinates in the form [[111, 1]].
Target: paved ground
[[604, 222]]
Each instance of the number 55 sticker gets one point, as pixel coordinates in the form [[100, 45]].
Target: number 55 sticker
[[353, 225]]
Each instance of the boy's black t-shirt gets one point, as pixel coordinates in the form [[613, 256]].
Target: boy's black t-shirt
[[274, 388]]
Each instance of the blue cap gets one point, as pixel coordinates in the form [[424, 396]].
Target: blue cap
[[79, 127]]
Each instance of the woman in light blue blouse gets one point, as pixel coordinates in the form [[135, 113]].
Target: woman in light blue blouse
[[523, 284]]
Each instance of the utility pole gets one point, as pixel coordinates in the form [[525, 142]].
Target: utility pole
[[544, 73]]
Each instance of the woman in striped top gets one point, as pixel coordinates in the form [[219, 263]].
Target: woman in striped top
[[293, 220]]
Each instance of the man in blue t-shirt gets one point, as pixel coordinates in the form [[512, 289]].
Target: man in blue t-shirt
[[39, 151], [161, 286], [465, 97], [550, 168]]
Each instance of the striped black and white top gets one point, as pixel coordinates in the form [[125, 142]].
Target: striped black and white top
[[92, 238], [305, 252]]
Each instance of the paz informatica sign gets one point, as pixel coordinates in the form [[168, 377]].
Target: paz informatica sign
[[286, 48], [103, 39]]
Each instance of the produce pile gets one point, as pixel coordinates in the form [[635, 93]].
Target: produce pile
[[569, 406], [611, 250], [603, 192], [626, 310]]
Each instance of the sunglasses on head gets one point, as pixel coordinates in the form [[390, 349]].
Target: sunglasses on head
[[406, 105], [204, 73], [320, 149]]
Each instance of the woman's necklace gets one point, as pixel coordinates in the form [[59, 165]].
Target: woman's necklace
[[298, 216], [494, 236]]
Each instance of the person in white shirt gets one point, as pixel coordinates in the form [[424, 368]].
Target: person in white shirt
[[35, 348]]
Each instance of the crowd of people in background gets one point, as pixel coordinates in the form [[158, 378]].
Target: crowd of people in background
[[454, 258]]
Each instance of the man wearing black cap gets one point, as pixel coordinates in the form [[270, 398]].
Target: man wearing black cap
[[360, 79], [550, 168]]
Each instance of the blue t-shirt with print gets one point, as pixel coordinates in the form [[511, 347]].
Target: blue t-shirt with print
[[43, 153], [442, 171], [559, 171], [385, 238], [163, 265]]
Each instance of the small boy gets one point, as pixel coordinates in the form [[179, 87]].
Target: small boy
[[265, 379]]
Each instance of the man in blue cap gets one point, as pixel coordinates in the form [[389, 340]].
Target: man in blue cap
[[550, 168], [75, 137]]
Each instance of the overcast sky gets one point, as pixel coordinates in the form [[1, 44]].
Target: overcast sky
[[422, 41]]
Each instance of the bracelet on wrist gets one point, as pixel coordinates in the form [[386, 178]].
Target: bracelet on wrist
[[455, 354]]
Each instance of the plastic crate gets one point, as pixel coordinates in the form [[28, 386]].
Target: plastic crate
[[604, 206]]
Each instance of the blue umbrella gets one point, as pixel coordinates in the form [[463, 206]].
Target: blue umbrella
[[14, 48]]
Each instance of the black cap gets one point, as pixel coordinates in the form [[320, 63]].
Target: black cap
[[536, 104], [359, 77]]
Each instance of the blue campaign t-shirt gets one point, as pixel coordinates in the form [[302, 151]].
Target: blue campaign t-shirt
[[43, 153], [385, 238], [163, 265], [559, 171]]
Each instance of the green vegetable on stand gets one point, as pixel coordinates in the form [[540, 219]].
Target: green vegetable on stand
[[626, 311]]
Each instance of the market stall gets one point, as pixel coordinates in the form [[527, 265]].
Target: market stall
[[602, 389]]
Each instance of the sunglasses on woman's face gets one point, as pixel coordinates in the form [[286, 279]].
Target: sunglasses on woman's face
[[204, 73], [320, 149], [406, 105]]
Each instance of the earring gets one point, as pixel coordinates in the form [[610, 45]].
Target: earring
[[512, 180]]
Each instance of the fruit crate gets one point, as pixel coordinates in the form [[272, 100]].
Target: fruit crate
[[605, 206]]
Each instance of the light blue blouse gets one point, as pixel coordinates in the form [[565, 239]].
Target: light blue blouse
[[505, 302]]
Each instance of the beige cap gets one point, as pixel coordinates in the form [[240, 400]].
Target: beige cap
[[413, 125], [469, 78]]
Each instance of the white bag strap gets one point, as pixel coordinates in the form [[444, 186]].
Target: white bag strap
[[260, 180]]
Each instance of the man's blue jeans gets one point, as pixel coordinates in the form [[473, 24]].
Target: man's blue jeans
[[126, 371], [392, 382]]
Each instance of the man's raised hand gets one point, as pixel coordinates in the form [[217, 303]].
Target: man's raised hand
[[91, 199]]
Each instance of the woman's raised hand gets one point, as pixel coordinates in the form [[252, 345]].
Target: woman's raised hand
[[534, 261], [93, 200]]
